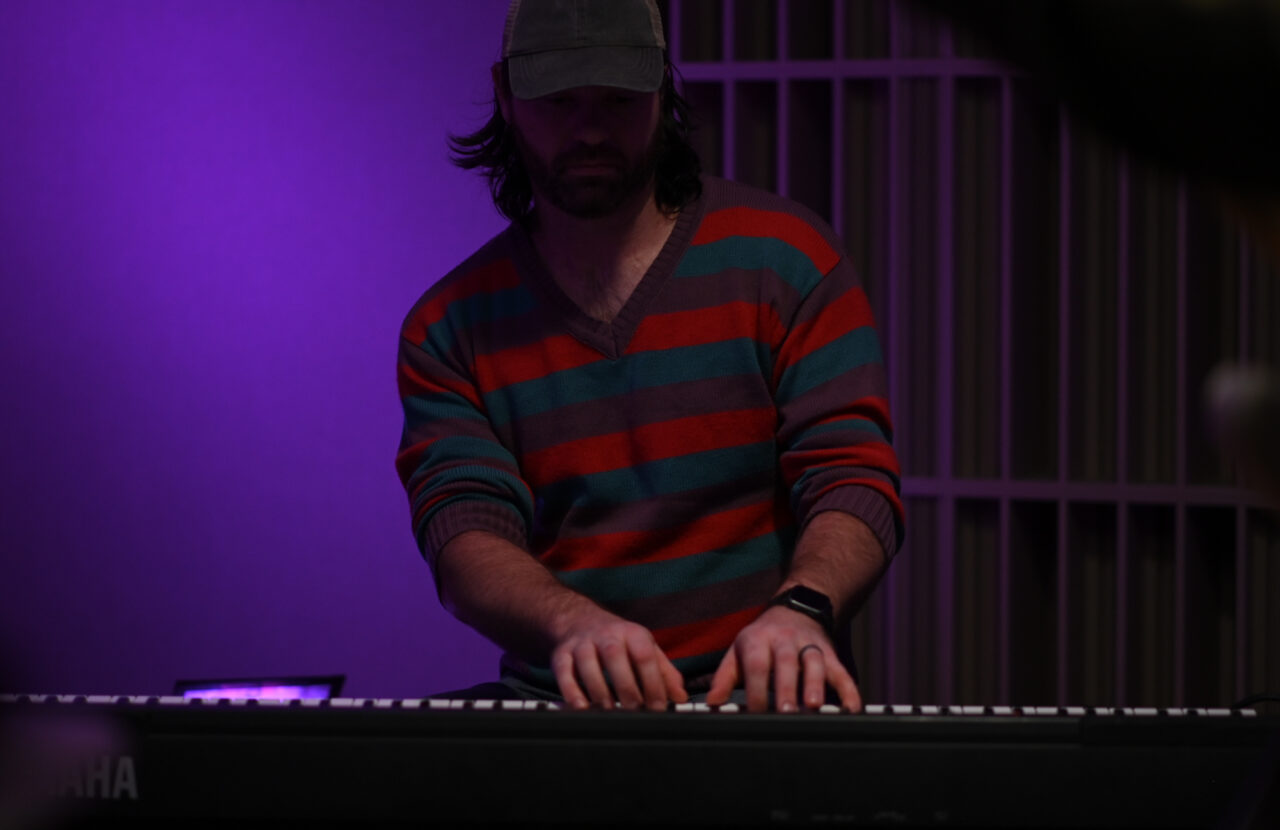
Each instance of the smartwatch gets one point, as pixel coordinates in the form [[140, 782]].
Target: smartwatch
[[809, 602]]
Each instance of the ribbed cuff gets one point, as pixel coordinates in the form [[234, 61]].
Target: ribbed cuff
[[866, 504], [472, 514]]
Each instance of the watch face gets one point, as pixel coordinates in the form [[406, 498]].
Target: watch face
[[810, 598], [814, 603]]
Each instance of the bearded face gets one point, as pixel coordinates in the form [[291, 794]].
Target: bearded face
[[588, 151]]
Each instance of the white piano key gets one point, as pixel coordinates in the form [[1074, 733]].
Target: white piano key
[[1219, 713], [900, 709], [931, 710], [874, 709], [485, 705], [1002, 710], [1076, 711], [829, 709], [1146, 711], [729, 708]]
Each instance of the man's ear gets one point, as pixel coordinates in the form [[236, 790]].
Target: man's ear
[[500, 91]]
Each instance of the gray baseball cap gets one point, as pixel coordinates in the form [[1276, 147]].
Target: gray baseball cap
[[550, 45]]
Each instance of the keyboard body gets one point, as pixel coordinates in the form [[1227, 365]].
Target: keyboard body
[[453, 764]]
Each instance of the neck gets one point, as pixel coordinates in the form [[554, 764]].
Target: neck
[[599, 261]]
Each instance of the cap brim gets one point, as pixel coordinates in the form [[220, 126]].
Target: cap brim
[[637, 68]]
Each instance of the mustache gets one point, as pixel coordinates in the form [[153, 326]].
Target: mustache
[[582, 154]]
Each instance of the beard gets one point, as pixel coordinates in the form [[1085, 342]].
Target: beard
[[612, 181]]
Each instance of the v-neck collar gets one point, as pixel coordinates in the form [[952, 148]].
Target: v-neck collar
[[612, 338]]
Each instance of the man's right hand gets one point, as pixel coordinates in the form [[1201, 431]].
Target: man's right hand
[[597, 657], [605, 660]]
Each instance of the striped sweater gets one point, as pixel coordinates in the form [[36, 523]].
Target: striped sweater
[[664, 462]]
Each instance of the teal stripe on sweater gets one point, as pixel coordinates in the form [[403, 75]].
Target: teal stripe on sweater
[[670, 475], [752, 253], [438, 408], [649, 579], [856, 348], [854, 423], [607, 379], [490, 307]]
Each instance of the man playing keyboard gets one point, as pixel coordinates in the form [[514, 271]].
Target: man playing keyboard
[[647, 444]]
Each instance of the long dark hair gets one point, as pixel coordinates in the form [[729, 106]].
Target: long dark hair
[[492, 150]]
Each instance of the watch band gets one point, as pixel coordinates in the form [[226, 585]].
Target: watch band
[[811, 603]]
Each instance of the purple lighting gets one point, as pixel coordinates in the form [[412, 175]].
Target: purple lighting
[[258, 693], [213, 218]]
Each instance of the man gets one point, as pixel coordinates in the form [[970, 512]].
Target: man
[[646, 434]]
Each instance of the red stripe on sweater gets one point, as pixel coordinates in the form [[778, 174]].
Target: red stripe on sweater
[[499, 275], [706, 636], [848, 312], [707, 325], [873, 409], [531, 361], [744, 221], [412, 383], [711, 532], [871, 454], [651, 442]]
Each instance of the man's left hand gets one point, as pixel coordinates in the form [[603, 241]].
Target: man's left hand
[[792, 649]]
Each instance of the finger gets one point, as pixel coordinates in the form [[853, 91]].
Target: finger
[[725, 678], [847, 690], [616, 660], [815, 677], [566, 679], [591, 673], [644, 657], [786, 667], [756, 664], [673, 679]]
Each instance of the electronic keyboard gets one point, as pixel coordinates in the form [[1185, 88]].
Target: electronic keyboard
[[450, 763]]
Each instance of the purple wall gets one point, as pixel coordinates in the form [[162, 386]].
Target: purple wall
[[213, 216]]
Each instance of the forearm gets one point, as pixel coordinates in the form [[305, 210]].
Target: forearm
[[839, 555], [508, 596]]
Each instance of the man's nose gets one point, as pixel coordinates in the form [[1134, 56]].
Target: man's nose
[[589, 121]]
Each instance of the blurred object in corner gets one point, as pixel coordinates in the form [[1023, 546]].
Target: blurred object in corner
[[1186, 83], [1243, 405], [46, 758]]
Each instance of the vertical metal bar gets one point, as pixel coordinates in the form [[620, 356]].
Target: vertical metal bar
[[838, 173], [783, 115], [1242, 600], [1180, 602], [1064, 390], [730, 101], [675, 33], [897, 348], [1122, 426], [1180, 436], [1006, 374], [945, 377], [1243, 354]]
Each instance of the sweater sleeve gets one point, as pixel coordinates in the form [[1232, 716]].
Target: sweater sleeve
[[457, 473], [834, 428]]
